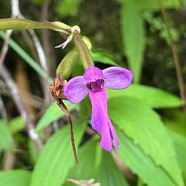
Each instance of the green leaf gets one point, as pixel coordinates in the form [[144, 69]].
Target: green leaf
[[153, 97], [85, 109], [154, 4], [103, 168], [142, 164], [103, 58], [52, 114], [15, 125], [133, 37], [15, 178], [180, 147], [144, 126], [57, 157], [90, 150], [6, 140], [109, 173]]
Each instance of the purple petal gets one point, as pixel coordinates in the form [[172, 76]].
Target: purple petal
[[100, 120], [76, 90], [117, 77], [113, 134], [92, 74]]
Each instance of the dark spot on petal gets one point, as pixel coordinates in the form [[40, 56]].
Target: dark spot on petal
[[96, 86]]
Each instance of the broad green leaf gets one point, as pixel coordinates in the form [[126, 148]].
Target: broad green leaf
[[109, 173], [184, 1], [103, 168], [103, 58], [25, 24], [180, 147], [52, 114], [15, 178], [90, 150], [57, 157], [85, 109], [6, 140], [27, 58], [15, 125], [133, 37], [154, 4], [144, 126], [153, 97], [142, 164]]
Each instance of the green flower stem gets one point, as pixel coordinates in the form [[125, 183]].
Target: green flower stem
[[83, 50], [23, 24]]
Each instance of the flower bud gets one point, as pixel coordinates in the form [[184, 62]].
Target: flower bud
[[67, 64]]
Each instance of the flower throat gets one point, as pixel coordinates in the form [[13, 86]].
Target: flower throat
[[96, 86]]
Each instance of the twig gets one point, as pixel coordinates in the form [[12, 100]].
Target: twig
[[46, 33], [2, 58], [20, 105], [5, 46], [65, 110], [56, 90], [3, 111], [9, 160], [175, 57], [42, 58], [16, 96]]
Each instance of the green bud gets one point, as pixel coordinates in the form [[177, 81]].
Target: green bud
[[83, 51], [67, 64]]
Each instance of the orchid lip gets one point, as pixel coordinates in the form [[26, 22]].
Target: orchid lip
[[96, 86]]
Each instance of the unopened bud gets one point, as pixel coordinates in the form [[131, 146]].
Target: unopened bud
[[67, 64]]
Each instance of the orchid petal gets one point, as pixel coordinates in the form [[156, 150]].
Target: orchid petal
[[100, 120], [113, 134], [76, 90], [99, 109], [117, 77], [93, 73]]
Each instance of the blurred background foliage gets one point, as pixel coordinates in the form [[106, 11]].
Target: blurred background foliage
[[149, 116]]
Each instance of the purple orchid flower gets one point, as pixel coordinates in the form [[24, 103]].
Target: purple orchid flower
[[94, 82]]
